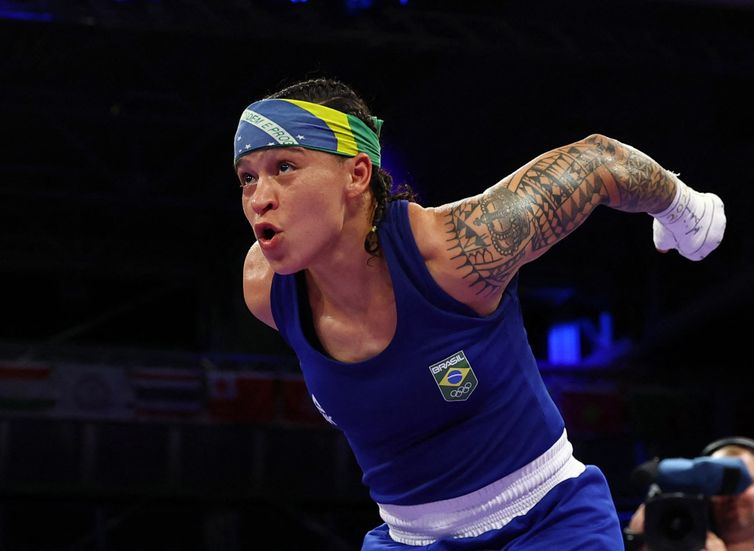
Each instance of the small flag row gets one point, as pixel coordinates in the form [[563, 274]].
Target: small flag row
[[105, 392]]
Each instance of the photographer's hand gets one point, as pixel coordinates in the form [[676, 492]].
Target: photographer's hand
[[714, 543]]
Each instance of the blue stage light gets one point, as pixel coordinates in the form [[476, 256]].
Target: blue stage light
[[564, 344], [353, 6]]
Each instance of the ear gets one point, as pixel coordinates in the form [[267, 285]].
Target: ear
[[360, 174]]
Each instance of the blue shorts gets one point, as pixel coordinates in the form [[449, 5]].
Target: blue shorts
[[576, 515]]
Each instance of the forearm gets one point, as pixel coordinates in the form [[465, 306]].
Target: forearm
[[685, 219], [633, 181], [628, 180]]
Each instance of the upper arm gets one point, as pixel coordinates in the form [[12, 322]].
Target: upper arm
[[257, 283], [525, 214]]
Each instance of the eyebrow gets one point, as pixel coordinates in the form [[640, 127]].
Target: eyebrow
[[295, 149]]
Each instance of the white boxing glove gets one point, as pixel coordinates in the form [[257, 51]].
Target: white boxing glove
[[694, 223]]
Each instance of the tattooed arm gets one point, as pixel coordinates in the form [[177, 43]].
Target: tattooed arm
[[485, 239]]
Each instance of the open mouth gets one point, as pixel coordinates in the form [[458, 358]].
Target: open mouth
[[265, 233]]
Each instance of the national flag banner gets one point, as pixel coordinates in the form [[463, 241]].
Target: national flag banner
[[298, 406], [167, 391], [94, 392], [27, 388], [240, 396]]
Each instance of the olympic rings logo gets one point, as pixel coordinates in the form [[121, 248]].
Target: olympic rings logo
[[461, 390]]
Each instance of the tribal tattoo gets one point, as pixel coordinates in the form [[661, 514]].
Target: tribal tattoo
[[640, 183], [491, 235]]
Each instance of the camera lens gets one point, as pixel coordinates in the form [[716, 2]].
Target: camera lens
[[676, 524]]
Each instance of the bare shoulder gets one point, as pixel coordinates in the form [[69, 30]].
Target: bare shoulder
[[430, 229], [444, 243], [257, 282], [427, 227]]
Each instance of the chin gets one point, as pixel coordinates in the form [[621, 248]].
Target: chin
[[281, 267]]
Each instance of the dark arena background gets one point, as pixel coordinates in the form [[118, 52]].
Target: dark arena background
[[143, 408]]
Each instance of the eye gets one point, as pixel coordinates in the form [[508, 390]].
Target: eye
[[285, 166], [247, 179]]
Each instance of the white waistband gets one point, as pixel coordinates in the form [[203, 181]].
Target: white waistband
[[490, 507]]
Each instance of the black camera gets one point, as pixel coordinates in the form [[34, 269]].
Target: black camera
[[676, 509], [676, 521]]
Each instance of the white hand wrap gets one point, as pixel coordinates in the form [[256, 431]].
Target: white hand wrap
[[693, 224]]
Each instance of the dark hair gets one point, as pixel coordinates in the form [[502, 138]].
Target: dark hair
[[340, 96], [740, 441]]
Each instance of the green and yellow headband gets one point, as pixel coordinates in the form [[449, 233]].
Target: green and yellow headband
[[289, 122]]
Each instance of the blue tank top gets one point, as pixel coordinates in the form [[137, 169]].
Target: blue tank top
[[455, 401]]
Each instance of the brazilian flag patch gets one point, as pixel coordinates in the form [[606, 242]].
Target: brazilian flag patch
[[454, 377]]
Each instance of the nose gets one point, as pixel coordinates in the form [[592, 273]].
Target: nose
[[264, 197]]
